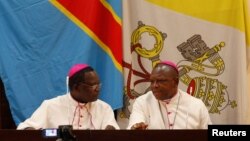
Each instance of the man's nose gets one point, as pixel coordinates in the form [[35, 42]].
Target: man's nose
[[154, 83]]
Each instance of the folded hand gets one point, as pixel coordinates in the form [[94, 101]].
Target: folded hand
[[139, 126]]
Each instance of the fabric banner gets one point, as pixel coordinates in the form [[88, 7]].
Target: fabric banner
[[207, 39], [40, 40]]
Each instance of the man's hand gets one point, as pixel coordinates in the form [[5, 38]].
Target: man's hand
[[29, 128], [110, 127], [139, 126]]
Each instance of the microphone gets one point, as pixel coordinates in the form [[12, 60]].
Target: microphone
[[65, 133]]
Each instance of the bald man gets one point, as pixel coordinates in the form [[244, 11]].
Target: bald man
[[166, 106]]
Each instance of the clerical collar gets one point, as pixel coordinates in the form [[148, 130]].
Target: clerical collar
[[171, 100], [76, 103]]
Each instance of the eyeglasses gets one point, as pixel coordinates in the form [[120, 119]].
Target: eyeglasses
[[94, 87]]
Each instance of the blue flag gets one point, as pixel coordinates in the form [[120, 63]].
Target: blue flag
[[40, 40]]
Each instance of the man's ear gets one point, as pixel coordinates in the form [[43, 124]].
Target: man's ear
[[76, 86], [177, 80]]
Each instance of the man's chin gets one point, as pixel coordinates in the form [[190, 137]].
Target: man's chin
[[93, 100], [158, 96]]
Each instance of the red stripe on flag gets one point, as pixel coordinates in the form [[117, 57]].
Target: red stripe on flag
[[98, 19]]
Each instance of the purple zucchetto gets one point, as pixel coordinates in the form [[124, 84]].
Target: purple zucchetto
[[171, 64], [76, 68]]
